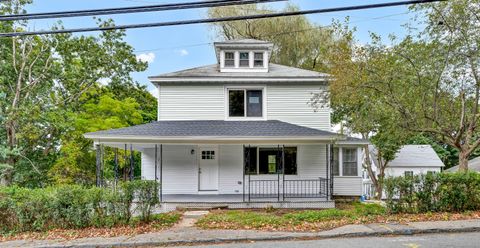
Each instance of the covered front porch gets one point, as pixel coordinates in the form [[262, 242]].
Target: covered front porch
[[281, 170]]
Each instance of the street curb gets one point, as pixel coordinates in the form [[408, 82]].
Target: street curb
[[405, 232]]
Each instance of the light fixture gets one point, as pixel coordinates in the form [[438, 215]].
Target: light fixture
[[192, 151]]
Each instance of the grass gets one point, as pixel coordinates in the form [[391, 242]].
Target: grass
[[315, 220]]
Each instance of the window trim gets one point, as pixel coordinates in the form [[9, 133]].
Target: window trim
[[257, 173], [225, 59], [340, 161], [263, 59], [249, 59], [263, 88]]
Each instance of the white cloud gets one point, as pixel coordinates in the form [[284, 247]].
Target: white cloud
[[146, 57], [104, 81], [182, 52], [154, 92]]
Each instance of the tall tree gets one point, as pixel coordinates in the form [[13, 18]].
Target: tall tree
[[297, 41], [43, 78]]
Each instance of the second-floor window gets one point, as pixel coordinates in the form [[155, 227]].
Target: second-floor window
[[245, 103]]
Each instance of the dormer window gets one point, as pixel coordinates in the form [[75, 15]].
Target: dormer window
[[229, 59], [258, 60], [244, 59]]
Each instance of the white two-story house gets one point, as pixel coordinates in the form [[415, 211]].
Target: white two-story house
[[241, 133]]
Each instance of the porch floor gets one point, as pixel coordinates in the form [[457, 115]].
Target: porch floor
[[233, 198]]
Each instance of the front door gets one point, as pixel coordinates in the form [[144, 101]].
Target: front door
[[208, 169]]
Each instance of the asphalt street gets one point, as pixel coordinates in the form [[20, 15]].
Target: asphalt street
[[428, 240]]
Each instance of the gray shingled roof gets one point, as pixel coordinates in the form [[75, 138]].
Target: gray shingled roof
[[269, 128], [414, 156], [473, 165], [275, 71]]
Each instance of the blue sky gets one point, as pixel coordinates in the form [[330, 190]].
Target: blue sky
[[174, 48]]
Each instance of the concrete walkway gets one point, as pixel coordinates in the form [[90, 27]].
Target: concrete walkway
[[191, 235]]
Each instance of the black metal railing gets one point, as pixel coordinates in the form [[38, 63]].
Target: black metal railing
[[305, 188], [264, 188], [282, 189]]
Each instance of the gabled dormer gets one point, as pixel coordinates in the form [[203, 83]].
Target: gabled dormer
[[246, 55]]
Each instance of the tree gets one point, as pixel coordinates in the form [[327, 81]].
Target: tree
[[43, 78], [76, 163], [297, 41]]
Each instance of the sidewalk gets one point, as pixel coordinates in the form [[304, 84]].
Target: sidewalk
[[192, 235]]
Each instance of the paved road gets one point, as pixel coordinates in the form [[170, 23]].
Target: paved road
[[429, 240]]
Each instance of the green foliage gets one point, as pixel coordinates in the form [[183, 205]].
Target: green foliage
[[255, 219], [73, 206], [445, 192]]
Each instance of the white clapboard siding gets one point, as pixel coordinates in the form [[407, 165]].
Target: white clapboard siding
[[400, 171], [180, 169], [191, 102], [347, 186], [230, 169], [290, 103]]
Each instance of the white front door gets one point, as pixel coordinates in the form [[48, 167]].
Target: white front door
[[208, 168]]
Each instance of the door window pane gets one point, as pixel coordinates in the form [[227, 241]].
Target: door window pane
[[254, 103], [236, 103], [349, 156]]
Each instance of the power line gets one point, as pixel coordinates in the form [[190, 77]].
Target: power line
[[269, 34], [136, 9], [220, 19]]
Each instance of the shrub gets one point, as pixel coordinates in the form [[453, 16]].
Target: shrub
[[433, 192], [73, 206]]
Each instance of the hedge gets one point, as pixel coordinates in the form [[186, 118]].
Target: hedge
[[74, 206], [440, 192]]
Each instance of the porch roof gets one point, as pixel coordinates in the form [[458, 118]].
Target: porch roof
[[215, 130]]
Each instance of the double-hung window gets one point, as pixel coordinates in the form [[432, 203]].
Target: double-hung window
[[244, 59], [349, 157], [245, 103], [258, 59], [229, 59]]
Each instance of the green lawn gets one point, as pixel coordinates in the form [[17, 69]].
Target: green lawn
[[277, 219]]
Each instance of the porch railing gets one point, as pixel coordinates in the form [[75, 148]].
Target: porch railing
[[305, 188], [282, 189], [264, 188]]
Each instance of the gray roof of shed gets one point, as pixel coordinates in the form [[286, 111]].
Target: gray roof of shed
[[209, 128], [275, 71], [473, 165], [414, 156]]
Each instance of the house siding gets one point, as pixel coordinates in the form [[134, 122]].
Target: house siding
[[191, 102], [180, 169], [400, 171], [347, 186], [288, 103]]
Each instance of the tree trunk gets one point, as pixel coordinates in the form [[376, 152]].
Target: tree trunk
[[463, 160], [7, 174]]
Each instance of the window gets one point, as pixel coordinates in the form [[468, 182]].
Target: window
[[349, 157], [208, 154], [268, 160], [258, 60], [253, 106], [229, 59], [408, 173], [336, 162], [244, 59]]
